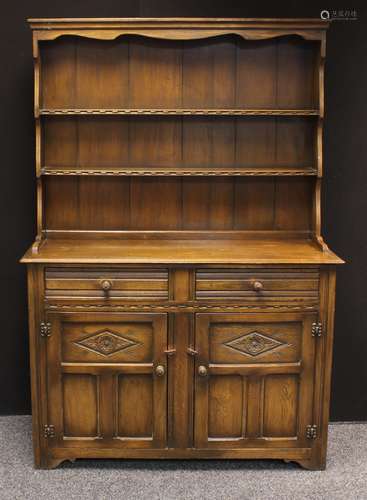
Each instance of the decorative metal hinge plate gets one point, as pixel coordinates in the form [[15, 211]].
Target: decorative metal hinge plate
[[192, 352], [45, 329], [48, 431], [170, 352], [311, 431], [316, 329]]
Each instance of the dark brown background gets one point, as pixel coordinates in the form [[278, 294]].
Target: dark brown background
[[345, 192]]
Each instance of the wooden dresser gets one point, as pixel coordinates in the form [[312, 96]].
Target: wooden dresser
[[181, 297]]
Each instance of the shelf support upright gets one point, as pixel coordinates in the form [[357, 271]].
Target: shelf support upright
[[320, 67], [37, 72]]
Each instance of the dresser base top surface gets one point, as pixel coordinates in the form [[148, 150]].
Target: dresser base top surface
[[181, 251]]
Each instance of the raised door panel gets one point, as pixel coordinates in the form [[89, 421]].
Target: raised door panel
[[80, 399], [253, 380], [104, 388], [132, 391]]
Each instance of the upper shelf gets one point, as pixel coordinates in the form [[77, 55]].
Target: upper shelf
[[177, 111]]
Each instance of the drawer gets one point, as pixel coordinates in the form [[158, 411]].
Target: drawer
[[150, 284], [257, 283]]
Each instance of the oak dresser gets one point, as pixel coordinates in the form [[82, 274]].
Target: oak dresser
[[181, 296]]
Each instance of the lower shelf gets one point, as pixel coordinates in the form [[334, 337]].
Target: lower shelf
[[181, 251]]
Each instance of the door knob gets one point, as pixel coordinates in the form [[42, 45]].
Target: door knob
[[160, 370], [202, 371]]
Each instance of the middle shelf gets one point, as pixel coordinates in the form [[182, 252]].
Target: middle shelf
[[178, 145]]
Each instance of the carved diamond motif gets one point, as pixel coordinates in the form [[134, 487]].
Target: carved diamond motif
[[254, 343], [105, 343]]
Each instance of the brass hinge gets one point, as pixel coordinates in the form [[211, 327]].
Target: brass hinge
[[311, 431], [316, 329], [45, 329], [48, 431], [170, 352], [192, 352]]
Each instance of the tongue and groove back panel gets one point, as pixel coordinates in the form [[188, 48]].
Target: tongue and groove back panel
[[221, 73], [224, 71], [187, 203], [151, 142]]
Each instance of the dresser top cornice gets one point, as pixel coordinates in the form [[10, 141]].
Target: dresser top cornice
[[55, 23], [178, 28]]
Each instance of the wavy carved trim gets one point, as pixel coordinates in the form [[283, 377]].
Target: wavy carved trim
[[177, 33], [179, 307]]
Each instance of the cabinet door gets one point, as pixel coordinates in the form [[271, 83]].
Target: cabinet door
[[253, 380], [106, 376]]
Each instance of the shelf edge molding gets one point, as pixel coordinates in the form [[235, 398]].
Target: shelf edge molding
[[201, 112], [179, 172]]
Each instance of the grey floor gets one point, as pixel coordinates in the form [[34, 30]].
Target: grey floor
[[345, 477]]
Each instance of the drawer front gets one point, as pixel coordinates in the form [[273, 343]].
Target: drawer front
[[150, 284], [257, 283]]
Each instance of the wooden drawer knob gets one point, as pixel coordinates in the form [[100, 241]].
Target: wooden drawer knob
[[106, 285], [257, 286]]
